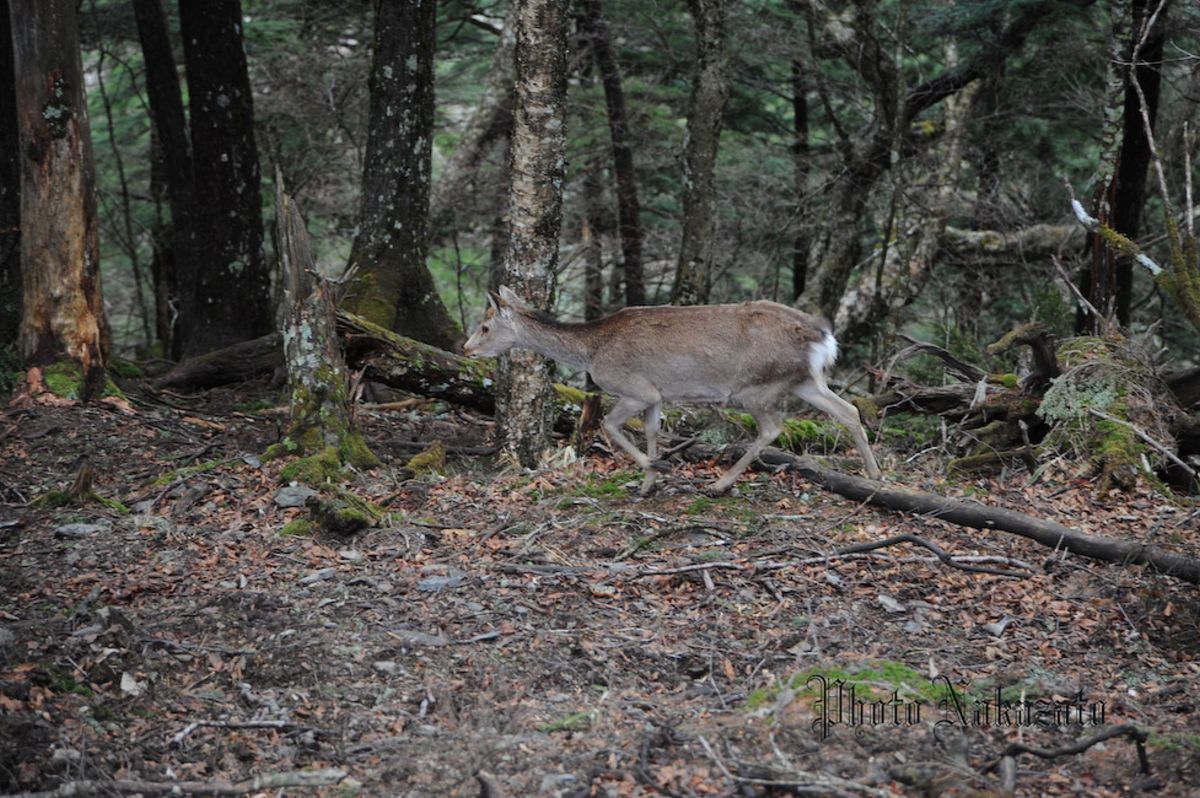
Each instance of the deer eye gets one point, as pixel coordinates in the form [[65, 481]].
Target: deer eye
[[484, 328]]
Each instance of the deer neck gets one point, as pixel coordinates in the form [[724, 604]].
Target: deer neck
[[565, 343]]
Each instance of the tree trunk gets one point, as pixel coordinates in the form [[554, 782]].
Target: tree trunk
[[1134, 159], [63, 312], [489, 127], [10, 192], [524, 396], [321, 419], [225, 298], [710, 91], [628, 207], [171, 174], [392, 285], [800, 165]]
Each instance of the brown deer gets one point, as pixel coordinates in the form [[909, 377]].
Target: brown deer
[[751, 355]]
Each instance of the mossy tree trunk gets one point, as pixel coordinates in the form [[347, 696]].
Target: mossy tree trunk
[[392, 285], [524, 395], [321, 425], [63, 312], [710, 91]]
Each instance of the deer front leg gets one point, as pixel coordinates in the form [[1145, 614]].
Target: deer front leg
[[625, 409], [769, 427]]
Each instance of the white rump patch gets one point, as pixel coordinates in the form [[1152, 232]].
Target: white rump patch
[[822, 354]]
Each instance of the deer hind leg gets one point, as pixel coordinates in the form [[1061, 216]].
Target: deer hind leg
[[817, 394], [769, 426], [653, 423]]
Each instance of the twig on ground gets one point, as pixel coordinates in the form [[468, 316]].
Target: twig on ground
[[267, 781]]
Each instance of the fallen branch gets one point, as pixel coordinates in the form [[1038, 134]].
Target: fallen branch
[[281, 725], [1124, 730], [940, 553], [267, 781], [978, 516]]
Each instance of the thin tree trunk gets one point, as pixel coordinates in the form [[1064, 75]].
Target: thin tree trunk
[[628, 207], [226, 298], [710, 91], [10, 192], [524, 395], [1134, 159], [800, 166], [392, 285], [171, 174], [489, 127], [63, 312], [593, 258]]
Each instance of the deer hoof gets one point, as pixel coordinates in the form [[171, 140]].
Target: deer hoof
[[648, 484], [716, 489]]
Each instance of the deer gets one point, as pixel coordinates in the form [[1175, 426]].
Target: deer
[[751, 355]]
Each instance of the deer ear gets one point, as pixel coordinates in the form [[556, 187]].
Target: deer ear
[[494, 301], [510, 298]]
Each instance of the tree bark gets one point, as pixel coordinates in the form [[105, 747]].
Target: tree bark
[[63, 312], [488, 128], [524, 396], [800, 167], [1134, 158], [392, 285], [628, 208], [10, 192], [321, 419], [867, 156], [226, 298], [710, 92], [171, 176]]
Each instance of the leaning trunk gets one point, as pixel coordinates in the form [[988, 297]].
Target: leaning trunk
[[524, 396], [710, 90], [63, 314]]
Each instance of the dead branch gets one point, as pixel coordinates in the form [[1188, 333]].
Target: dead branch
[[1124, 730], [978, 516], [939, 552], [267, 781]]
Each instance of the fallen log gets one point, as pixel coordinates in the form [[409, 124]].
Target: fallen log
[[977, 516], [242, 361]]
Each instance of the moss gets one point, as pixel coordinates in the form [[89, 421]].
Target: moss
[[52, 499], [301, 527], [163, 480], [574, 722], [124, 368], [1008, 380], [569, 395], [112, 504], [317, 470], [354, 451], [65, 379], [601, 487], [343, 516], [431, 460]]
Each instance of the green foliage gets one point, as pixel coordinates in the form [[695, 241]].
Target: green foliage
[[11, 369]]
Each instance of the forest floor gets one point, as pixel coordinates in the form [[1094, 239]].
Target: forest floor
[[554, 634]]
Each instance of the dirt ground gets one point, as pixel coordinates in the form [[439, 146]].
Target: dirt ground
[[553, 634]]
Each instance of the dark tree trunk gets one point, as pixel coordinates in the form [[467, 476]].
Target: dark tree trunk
[[10, 192], [628, 207], [171, 176], [524, 398], [63, 312], [392, 285], [800, 156], [1135, 155], [593, 257], [1120, 193], [225, 298], [710, 91]]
